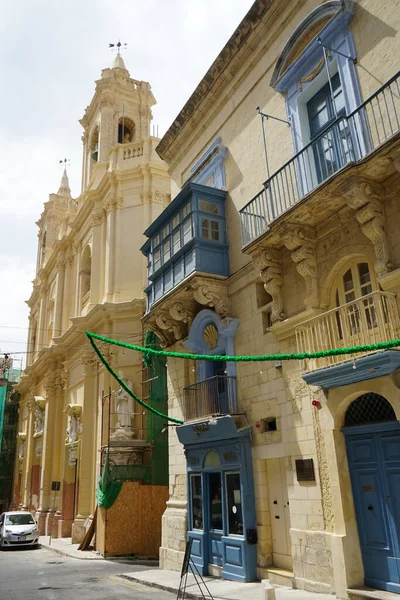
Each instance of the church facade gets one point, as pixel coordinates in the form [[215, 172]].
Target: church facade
[[282, 237], [89, 276]]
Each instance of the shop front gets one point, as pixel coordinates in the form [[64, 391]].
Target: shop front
[[221, 505]]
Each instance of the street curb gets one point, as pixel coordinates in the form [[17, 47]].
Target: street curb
[[116, 559], [161, 586], [66, 553]]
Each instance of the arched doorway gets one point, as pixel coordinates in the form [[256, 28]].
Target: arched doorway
[[373, 449]]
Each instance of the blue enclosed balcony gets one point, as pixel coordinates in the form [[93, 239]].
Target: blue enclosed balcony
[[189, 236]]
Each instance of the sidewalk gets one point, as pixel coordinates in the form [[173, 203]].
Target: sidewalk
[[66, 548], [221, 589]]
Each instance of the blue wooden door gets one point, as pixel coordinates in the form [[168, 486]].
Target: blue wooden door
[[374, 462]]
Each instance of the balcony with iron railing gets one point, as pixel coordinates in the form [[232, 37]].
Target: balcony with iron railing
[[348, 139], [214, 396], [370, 319]]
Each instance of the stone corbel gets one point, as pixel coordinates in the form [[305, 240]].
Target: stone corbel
[[210, 293], [268, 263], [299, 240], [180, 312], [365, 198], [172, 330]]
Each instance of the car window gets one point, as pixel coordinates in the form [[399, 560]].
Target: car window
[[24, 519]]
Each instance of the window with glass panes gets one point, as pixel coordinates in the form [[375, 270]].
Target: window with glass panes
[[356, 282], [173, 236]]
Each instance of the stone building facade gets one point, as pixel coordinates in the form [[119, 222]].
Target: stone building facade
[[86, 279], [286, 469]]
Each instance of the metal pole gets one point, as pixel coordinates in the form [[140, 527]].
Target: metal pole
[[329, 80], [52, 518], [265, 143]]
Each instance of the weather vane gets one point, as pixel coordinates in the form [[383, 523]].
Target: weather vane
[[65, 162], [118, 46]]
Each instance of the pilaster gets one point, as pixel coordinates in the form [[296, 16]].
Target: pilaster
[[87, 456]]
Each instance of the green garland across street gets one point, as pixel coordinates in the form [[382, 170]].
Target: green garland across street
[[258, 358]]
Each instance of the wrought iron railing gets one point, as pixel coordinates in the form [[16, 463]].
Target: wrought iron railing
[[367, 320], [213, 396], [348, 139]]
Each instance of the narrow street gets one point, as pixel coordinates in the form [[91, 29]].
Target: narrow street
[[27, 574]]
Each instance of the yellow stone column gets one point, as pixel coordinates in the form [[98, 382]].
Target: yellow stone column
[[27, 468], [87, 448]]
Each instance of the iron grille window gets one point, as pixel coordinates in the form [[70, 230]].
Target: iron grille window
[[367, 409]]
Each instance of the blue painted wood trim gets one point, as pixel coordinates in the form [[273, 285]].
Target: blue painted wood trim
[[368, 367], [187, 191], [374, 427]]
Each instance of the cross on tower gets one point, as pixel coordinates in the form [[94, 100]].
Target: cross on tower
[[65, 162]]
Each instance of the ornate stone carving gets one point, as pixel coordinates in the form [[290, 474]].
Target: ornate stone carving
[[181, 313], [21, 450], [76, 246], [38, 424], [74, 428], [269, 265], [106, 102], [97, 217], [216, 297], [365, 198], [299, 240], [124, 405], [169, 326], [72, 455], [38, 447]]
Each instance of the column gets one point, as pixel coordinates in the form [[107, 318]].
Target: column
[[45, 503], [58, 329], [42, 315], [76, 311], [86, 471], [97, 272], [110, 251], [68, 300], [29, 454]]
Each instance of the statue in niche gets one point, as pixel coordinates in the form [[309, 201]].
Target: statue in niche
[[74, 429], [39, 419], [21, 450], [124, 404]]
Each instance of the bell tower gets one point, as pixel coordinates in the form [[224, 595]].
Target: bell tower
[[119, 113]]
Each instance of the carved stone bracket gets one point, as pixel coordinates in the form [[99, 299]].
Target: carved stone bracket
[[209, 293], [171, 318], [300, 241], [267, 261], [365, 198], [171, 329]]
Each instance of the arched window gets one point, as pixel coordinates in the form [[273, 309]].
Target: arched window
[[126, 130], [357, 282], [94, 145], [368, 409], [85, 274]]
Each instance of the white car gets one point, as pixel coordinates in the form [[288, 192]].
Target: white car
[[18, 529]]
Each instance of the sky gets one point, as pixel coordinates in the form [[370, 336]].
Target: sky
[[51, 52]]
